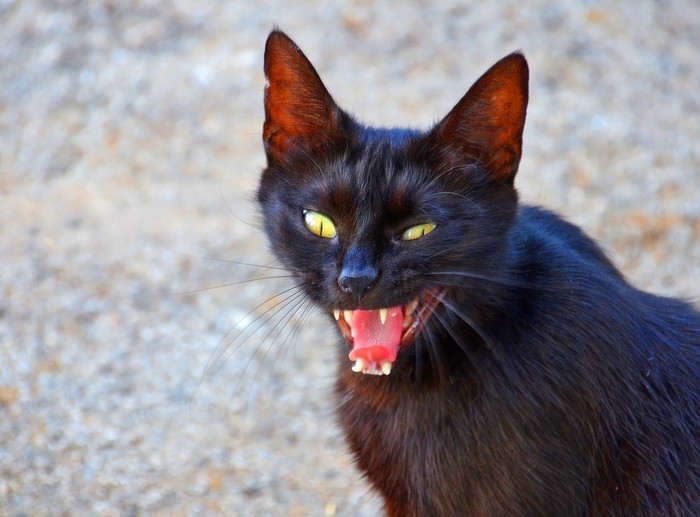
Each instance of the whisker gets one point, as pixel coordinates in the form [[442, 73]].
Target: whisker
[[218, 352], [290, 340], [265, 266], [231, 284], [254, 353], [473, 325], [419, 351], [435, 180], [293, 336], [228, 207], [448, 327], [465, 198], [468, 274], [438, 254], [240, 263], [310, 157], [269, 315], [434, 351], [284, 321], [488, 278]]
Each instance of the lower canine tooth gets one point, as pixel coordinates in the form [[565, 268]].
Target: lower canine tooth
[[386, 367], [358, 366], [382, 315]]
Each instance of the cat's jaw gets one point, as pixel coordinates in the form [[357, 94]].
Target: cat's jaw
[[376, 336]]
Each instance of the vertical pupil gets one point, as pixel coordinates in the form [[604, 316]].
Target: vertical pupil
[[319, 224]]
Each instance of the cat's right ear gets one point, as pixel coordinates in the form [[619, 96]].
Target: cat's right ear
[[299, 111], [487, 124]]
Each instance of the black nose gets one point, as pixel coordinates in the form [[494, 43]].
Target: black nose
[[357, 283], [358, 273]]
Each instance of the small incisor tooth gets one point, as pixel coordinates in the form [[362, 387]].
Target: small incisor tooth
[[358, 366], [382, 315], [386, 367], [336, 314]]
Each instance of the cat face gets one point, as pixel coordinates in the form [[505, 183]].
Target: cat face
[[379, 225]]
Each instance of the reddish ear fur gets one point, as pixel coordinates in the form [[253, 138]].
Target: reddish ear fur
[[299, 111], [487, 123]]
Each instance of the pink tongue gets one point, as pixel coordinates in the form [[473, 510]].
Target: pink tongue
[[374, 341]]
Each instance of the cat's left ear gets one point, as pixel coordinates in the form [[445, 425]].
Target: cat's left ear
[[487, 124], [299, 111]]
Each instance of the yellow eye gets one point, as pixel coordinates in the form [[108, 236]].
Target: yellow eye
[[417, 231], [319, 224]]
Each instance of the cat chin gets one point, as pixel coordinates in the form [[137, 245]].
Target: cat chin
[[376, 336]]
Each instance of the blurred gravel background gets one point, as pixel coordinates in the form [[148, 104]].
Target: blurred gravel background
[[129, 153]]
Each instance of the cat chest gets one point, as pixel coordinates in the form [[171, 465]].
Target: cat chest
[[446, 456]]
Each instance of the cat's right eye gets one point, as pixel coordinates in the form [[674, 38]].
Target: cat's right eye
[[319, 224]]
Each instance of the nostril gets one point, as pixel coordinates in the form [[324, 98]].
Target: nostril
[[345, 284], [357, 284]]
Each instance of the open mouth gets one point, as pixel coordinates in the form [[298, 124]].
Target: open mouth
[[375, 336]]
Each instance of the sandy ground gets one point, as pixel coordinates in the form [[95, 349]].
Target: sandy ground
[[129, 153]]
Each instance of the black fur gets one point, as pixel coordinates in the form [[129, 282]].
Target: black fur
[[543, 384]]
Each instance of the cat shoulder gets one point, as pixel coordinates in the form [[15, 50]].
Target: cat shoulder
[[551, 237]]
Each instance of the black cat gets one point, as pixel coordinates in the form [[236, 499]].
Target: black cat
[[495, 362]]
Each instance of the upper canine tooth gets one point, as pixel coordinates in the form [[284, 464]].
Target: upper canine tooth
[[382, 315], [411, 306], [358, 366], [336, 313], [348, 316]]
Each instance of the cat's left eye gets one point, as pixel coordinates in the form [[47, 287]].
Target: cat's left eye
[[417, 231], [319, 224]]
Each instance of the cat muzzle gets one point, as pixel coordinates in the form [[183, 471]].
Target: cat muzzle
[[376, 336]]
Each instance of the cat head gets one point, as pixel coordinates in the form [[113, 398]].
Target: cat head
[[384, 226]]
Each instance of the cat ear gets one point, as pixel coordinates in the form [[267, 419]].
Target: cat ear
[[299, 111], [487, 124]]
